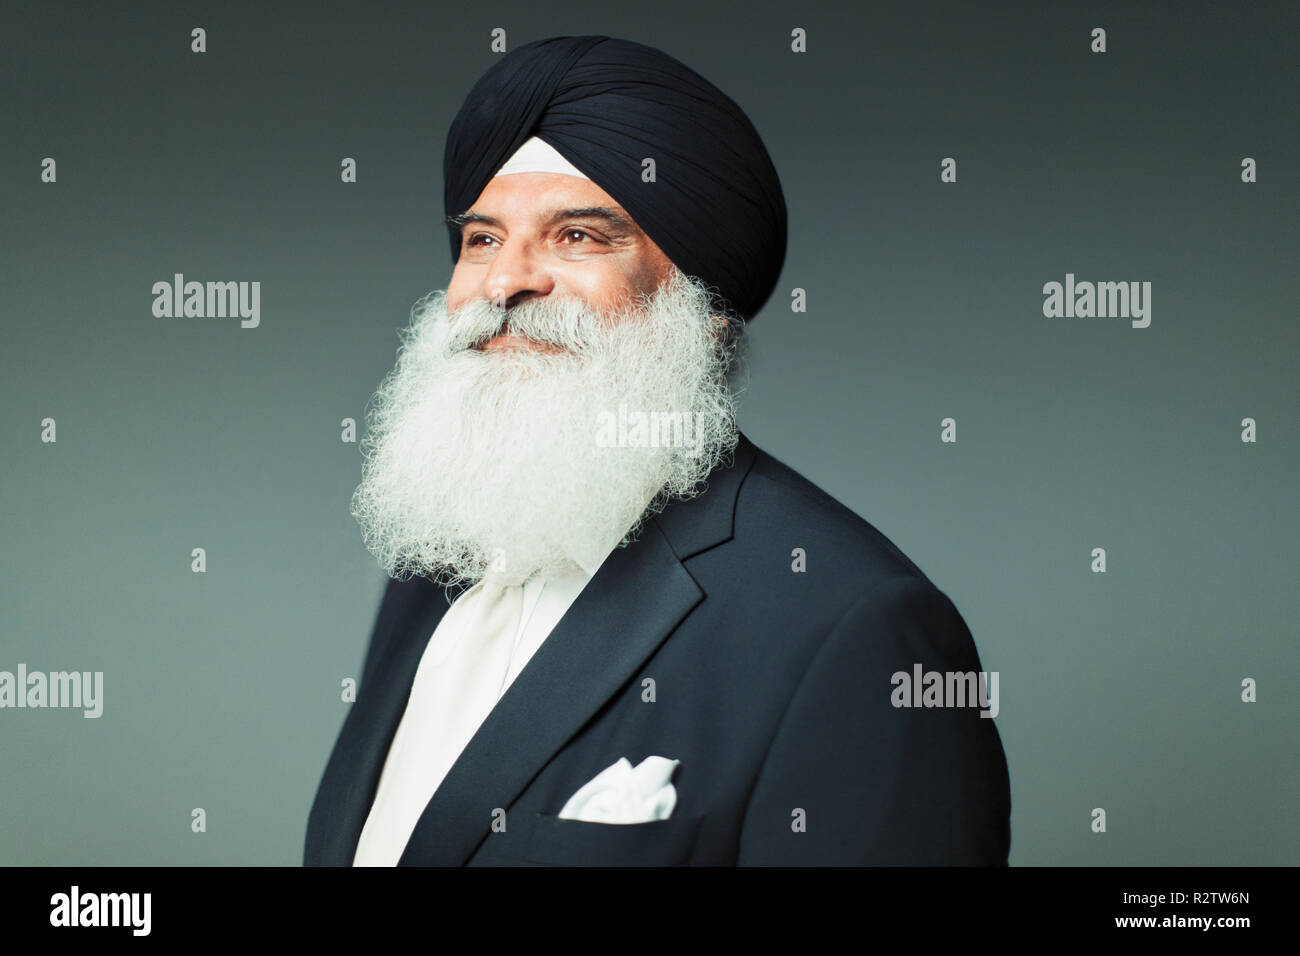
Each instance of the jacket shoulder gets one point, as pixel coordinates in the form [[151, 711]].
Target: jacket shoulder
[[777, 502]]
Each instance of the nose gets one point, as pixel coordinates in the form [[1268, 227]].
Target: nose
[[518, 272]]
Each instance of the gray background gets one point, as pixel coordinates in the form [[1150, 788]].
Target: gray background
[[1118, 690]]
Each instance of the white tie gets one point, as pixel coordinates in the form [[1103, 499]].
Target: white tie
[[461, 676]]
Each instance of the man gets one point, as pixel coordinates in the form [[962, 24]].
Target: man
[[617, 632]]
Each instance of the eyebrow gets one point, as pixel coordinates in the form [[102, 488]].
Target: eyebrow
[[612, 217]]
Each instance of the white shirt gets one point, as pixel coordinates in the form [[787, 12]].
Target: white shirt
[[403, 793]]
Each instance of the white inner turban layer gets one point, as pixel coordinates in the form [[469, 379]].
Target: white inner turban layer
[[539, 156]]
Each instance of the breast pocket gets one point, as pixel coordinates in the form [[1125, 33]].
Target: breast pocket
[[560, 842]]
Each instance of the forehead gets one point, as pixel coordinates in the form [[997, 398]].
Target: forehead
[[525, 196]]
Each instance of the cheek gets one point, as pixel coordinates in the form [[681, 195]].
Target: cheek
[[458, 289], [614, 286], [651, 271]]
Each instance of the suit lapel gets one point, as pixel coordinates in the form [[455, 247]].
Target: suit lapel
[[348, 786], [631, 605]]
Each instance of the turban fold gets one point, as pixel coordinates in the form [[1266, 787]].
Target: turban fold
[[715, 207]]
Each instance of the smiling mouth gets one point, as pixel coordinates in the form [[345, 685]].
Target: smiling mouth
[[507, 340]]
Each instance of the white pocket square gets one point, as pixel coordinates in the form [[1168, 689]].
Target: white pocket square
[[622, 793]]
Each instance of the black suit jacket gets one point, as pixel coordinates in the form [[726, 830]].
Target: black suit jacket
[[771, 686]]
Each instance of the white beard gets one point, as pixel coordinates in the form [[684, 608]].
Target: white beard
[[510, 460]]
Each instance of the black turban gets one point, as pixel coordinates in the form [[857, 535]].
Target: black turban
[[716, 209]]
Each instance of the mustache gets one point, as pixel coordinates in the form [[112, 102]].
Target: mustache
[[567, 323]]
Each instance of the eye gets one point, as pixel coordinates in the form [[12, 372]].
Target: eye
[[574, 231], [473, 240]]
